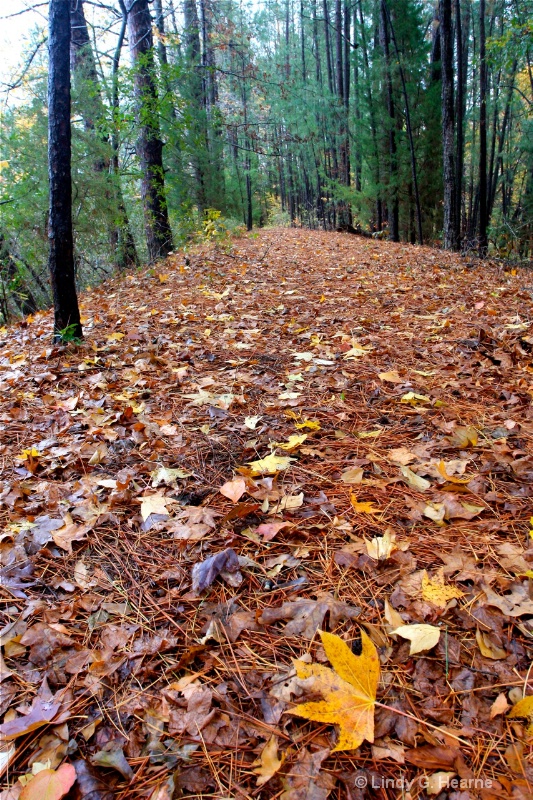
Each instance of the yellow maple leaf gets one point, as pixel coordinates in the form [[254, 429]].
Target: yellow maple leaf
[[312, 424], [411, 398], [363, 507], [28, 453], [349, 690], [269, 465], [435, 591], [295, 440], [524, 709]]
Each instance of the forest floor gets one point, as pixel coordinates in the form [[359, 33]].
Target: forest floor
[[294, 431]]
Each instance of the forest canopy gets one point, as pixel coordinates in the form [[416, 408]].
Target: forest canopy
[[406, 118]]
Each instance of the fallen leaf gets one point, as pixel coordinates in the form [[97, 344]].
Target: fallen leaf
[[349, 692], [451, 478], [414, 480], [489, 648], [268, 763], [412, 399], [464, 436], [515, 604], [288, 503], [42, 711], [270, 465], [390, 377], [381, 547], [352, 476], [252, 422], [270, 529], [294, 441], [438, 782], [363, 507], [234, 489], [154, 504], [113, 758], [422, 637], [523, 709], [50, 784], [168, 476], [310, 424], [224, 563], [436, 591], [401, 455], [306, 780], [499, 706], [307, 616]]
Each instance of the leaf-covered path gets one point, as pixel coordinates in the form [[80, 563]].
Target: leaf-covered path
[[365, 408]]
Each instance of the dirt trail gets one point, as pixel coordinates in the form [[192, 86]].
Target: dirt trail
[[367, 408]]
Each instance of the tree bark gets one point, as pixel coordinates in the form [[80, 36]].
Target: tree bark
[[459, 110], [483, 189], [150, 146], [61, 255], [450, 233], [393, 205]]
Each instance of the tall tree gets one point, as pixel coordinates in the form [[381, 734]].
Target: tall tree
[[61, 255], [450, 232], [483, 79], [93, 111], [150, 145], [393, 204]]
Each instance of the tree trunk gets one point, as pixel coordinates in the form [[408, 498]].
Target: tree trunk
[[414, 171], [197, 97], [328, 46], [459, 111], [150, 146], [61, 256], [450, 233], [483, 199], [83, 67], [393, 206]]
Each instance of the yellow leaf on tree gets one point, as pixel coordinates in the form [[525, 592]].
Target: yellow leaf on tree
[[435, 591], [270, 465], [349, 690]]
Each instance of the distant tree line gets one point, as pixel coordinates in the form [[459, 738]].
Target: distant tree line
[[406, 117]]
